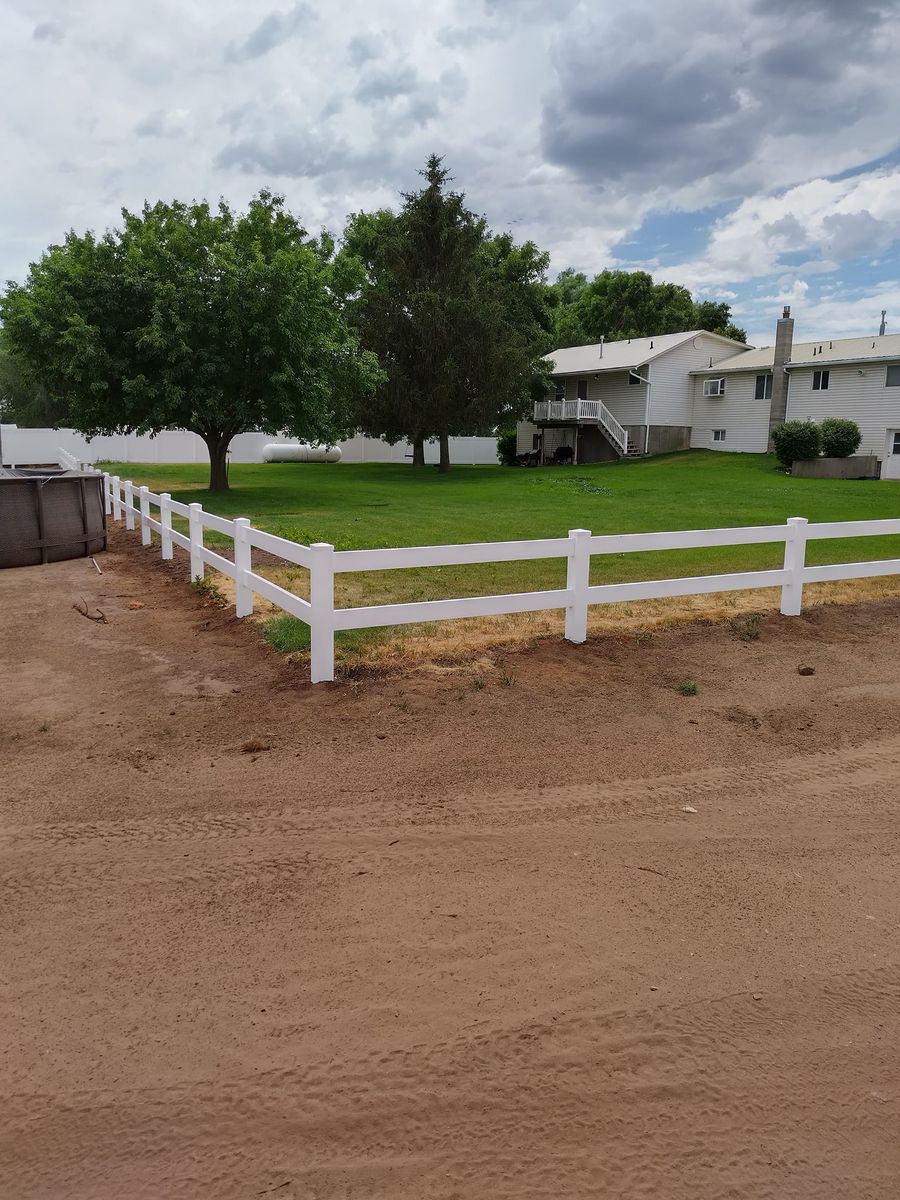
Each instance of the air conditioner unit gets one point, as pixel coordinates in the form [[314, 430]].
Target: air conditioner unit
[[714, 387]]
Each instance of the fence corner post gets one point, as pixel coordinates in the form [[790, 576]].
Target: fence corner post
[[794, 562], [577, 582], [165, 520], [321, 599], [146, 533], [195, 525], [243, 564]]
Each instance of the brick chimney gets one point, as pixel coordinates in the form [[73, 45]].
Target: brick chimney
[[784, 341]]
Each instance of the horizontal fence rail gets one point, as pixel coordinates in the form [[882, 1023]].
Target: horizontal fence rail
[[124, 501]]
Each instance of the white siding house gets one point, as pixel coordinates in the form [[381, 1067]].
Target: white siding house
[[698, 389], [738, 419]]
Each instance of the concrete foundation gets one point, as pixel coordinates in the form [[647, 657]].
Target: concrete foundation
[[857, 466]]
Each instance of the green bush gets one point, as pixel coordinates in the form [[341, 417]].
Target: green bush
[[506, 447], [796, 440], [840, 438]]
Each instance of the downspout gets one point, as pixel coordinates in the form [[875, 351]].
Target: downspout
[[649, 384]]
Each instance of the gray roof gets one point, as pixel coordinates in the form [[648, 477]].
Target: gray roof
[[825, 351], [623, 355]]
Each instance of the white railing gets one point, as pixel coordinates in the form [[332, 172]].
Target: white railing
[[324, 562], [592, 411], [613, 428], [70, 463]]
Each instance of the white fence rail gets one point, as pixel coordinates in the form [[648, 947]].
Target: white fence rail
[[124, 500]]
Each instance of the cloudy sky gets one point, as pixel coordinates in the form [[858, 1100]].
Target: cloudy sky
[[747, 148]]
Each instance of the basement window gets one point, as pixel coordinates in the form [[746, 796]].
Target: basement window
[[892, 377], [718, 435], [763, 387], [714, 387], [820, 381]]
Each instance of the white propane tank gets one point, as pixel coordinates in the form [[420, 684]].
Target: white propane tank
[[300, 452]]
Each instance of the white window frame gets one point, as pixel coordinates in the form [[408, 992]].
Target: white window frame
[[714, 387], [887, 373], [824, 380], [895, 442], [719, 435]]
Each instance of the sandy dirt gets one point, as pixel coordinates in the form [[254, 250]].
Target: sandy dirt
[[443, 940]]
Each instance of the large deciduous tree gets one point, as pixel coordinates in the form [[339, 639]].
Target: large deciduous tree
[[198, 319], [624, 304], [458, 317]]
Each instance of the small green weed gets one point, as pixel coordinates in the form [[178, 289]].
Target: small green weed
[[208, 590], [687, 687], [747, 627], [478, 682]]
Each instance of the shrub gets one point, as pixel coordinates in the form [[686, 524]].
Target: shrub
[[506, 447], [840, 438], [796, 440], [687, 687]]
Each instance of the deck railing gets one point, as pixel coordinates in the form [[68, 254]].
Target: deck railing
[[592, 412], [134, 504]]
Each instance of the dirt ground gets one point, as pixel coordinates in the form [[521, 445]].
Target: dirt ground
[[437, 939]]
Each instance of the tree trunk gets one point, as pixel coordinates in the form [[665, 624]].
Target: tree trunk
[[444, 464], [419, 450], [217, 444]]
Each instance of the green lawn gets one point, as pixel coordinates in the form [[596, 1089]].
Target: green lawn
[[363, 505], [376, 505]]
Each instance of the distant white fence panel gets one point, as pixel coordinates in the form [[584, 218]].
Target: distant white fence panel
[[21, 446], [323, 562]]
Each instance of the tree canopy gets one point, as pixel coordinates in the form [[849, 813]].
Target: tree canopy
[[458, 317], [195, 319], [624, 304]]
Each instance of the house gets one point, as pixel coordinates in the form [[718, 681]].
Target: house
[[651, 395], [631, 397]]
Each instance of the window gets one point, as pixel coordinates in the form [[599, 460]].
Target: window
[[892, 377], [714, 387], [763, 387], [581, 389], [820, 381], [895, 449], [718, 435], [560, 391], [635, 375]]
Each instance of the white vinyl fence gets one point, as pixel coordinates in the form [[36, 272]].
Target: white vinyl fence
[[323, 562]]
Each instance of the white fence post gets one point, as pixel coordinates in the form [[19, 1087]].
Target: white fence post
[[165, 519], [243, 562], [794, 562], [129, 504], [146, 533], [195, 521], [577, 582], [321, 599], [116, 498], [107, 494]]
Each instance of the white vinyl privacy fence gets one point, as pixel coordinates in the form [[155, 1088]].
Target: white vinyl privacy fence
[[137, 506]]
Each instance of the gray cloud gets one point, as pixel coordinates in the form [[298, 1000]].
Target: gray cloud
[[364, 48], [849, 235], [48, 31], [300, 154], [648, 99], [272, 31]]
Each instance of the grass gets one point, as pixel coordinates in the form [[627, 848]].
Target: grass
[[376, 505]]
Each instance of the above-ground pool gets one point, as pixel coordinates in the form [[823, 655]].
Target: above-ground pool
[[48, 515]]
